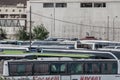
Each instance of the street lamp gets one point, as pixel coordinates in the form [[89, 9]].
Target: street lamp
[[114, 27]]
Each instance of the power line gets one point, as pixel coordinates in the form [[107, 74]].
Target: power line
[[63, 20], [69, 21]]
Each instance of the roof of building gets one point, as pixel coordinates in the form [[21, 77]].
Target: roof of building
[[13, 2]]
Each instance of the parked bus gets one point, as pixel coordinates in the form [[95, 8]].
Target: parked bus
[[62, 69], [95, 44], [38, 45]]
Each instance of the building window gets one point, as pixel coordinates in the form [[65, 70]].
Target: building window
[[2, 16], [23, 16], [89, 4], [47, 5], [99, 4], [20, 10], [0, 10], [13, 10], [6, 10], [61, 4]]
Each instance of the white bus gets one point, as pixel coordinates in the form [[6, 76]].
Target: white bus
[[95, 44], [62, 69], [64, 65]]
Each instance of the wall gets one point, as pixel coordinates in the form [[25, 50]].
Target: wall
[[76, 22]]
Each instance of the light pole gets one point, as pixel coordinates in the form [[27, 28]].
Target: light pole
[[114, 27]]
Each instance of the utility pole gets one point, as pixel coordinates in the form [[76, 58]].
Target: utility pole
[[114, 27], [54, 21], [107, 27], [30, 37]]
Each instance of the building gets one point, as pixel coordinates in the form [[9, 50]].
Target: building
[[77, 18], [12, 16]]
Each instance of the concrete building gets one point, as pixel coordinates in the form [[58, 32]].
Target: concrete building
[[78, 18], [12, 16]]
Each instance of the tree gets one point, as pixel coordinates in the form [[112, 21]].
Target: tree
[[2, 34], [22, 34], [40, 32]]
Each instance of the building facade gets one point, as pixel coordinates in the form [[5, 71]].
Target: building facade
[[77, 18], [12, 16]]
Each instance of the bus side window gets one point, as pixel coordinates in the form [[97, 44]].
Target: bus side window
[[104, 68], [13, 69], [109, 65], [54, 68], [21, 69], [76, 68], [58, 68], [28, 69], [79, 68], [63, 68], [41, 68], [109, 68], [88, 68], [24, 69], [95, 68], [114, 68]]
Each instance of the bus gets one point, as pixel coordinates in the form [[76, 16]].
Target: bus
[[95, 44], [38, 45], [55, 68]]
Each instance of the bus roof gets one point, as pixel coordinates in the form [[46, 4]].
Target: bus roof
[[78, 53], [66, 55], [58, 59], [100, 41], [17, 56], [114, 52]]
